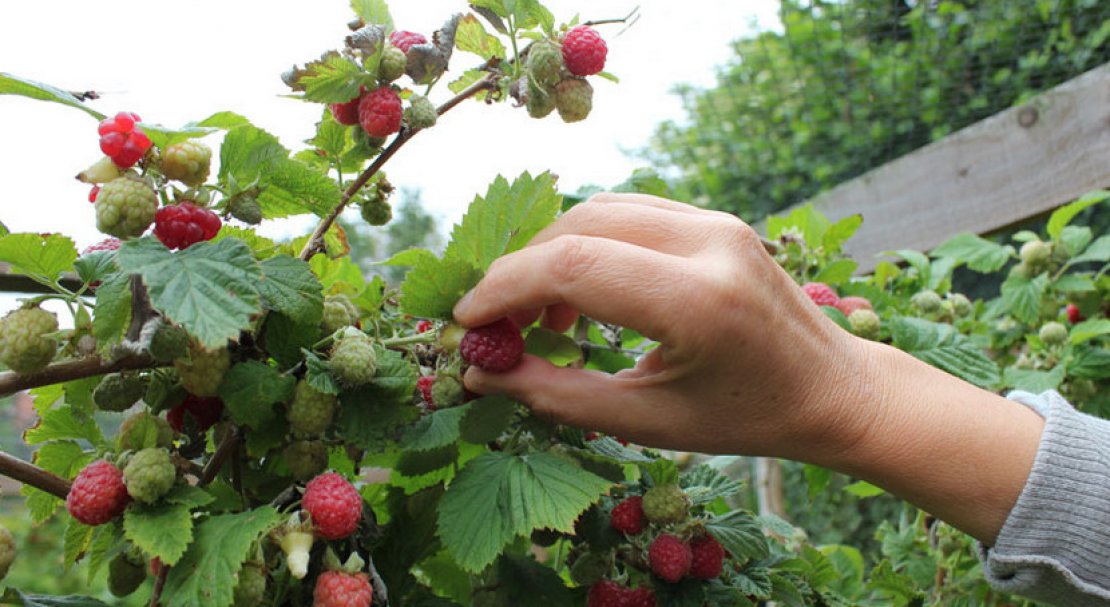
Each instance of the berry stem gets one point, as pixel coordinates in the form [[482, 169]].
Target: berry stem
[[159, 583], [30, 474], [69, 370], [223, 451], [420, 338], [316, 241]]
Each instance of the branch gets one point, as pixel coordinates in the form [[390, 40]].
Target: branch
[[159, 583], [69, 370], [224, 451], [30, 474], [381, 593], [316, 241]]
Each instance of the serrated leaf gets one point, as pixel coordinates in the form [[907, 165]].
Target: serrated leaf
[[224, 120], [292, 187], [285, 340], [486, 419], [1033, 380], [943, 347], [1074, 283], [104, 538], [839, 232], [468, 78], [40, 504], [1062, 216], [319, 375], [740, 534], [63, 423], [209, 289], [75, 541], [1098, 251], [95, 266], [1091, 363], [812, 224], [373, 11], [1089, 329], [527, 582], [288, 286], [837, 272], [46, 257], [246, 150], [1022, 296], [16, 597], [206, 574], [433, 286], [705, 485], [164, 531], [471, 37], [379, 410], [980, 254], [498, 497], [333, 79], [331, 137], [414, 464], [434, 431], [189, 496], [250, 390], [1075, 239], [14, 85], [163, 137], [504, 220], [612, 449]]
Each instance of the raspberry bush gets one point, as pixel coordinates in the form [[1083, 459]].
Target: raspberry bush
[[281, 414]]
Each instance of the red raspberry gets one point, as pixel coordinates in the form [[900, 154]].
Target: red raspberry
[[380, 112], [821, 293], [180, 226], [708, 558], [339, 589], [108, 244], [584, 51], [121, 141], [424, 384], [640, 597], [406, 40], [347, 113], [1074, 316], [334, 505], [424, 326], [93, 192], [98, 494], [496, 347], [628, 516], [847, 305], [205, 412], [670, 558], [606, 593]]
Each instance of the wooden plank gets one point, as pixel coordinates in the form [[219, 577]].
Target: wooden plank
[[1014, 165]]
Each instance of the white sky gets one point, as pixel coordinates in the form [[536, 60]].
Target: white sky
[[173, 62]]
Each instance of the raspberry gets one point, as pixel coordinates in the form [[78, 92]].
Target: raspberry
[[339, 312], [203, 370], [640, 597], [424, 326], [496, 347], [346, 113], [628, 516], [865, 323], [379, 112], [606, 593], [125, 207], [421, 113], [24, 343], [144, 430], [540, 100], [187, 162], [108, 244], [589, 569], [306, 459], [251, 588], [392, 65], [340, 589], [1036, 253], [180, 226], [310, 412], [202, 412], [168, 342], [93, 193], [574, 98], [121, 141], [245, 208], [424, 384], [821, 293], [334, 505], [353, 359], [447, 391], [126, 572], [927, 302], [7, 551], [1074, 315], [961, 305], [584, 51], [406, 40], [376, 212], [98, 494], [149, 475], [670, 558], [665, 504], [119, 391], [708, 558], [545, 64], [847, 305], [1053, 333]]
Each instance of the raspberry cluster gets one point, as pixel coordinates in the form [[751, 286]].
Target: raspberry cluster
[[555, 78], [122, 141]]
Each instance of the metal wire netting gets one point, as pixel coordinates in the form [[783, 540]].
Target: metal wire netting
[[844, 86]]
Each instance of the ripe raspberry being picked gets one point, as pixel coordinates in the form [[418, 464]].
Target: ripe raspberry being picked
[[496, 347]]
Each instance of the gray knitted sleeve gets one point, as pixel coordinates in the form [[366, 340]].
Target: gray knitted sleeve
[[1055, 544]]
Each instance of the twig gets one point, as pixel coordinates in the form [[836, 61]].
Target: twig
[[69, 370], [159, 583], [226, 448], [30, 474], [315, 242], [381, 593]]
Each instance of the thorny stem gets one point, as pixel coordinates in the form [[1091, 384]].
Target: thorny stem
[[316, 241], [30, 474]]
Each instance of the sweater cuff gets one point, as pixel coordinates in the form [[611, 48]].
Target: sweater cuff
[[1055, 543]]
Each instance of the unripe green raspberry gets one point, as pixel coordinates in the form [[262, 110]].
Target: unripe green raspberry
[[1054, 333], [450, 336], [144, 430], [353, 359], [574, 98], [245, 208], [421, 113], [393, 64], [168, 342], [545, 63], [119, 391], [126, 572], [7, 550], [306, 459], [1036, 253], [251, 588], [339, 312], [666, 504], [864, 323], [101, 171], [1023, 270], [203, 370], [376, 213], [447, 391], [125, 207], [540, 100], [149, 475], [961, 305], [24, 345], [589, 569], [187, 162], [310, 412], [928, 302]]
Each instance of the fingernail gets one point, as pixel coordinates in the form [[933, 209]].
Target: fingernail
[[464, 303]]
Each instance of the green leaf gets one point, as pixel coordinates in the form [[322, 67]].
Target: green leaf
[[333, 79], [64, 423], [1089, 329], [471, 37], [163, 137], [468, 78], [980, 254], [837, 272], [1022, 296], [288, 286], [46, 257], [705, 485], [863, 489], [209, 289], [163, 531], [75, 541], [373, 11], [285, 340], [1062, 216], [4, 231], [1091, 364], [372, 413], [498, 497], [224, 120], [331, 137], [943, 347], [1098, 251], [294, 188], [811, 223], [527, 582], [250, 390], [433, 286], [104, 538], [1074, 283], [16, 597], [611, 448], [14, 85], [504, 220], [434, 431], [206, 575], [95, 266], [246, 150], [754, 581], [740, 534], [558, 348], [486, 419], [841, 231], [318, 375], [190, 496], [1032, 380], [1075, 239]]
